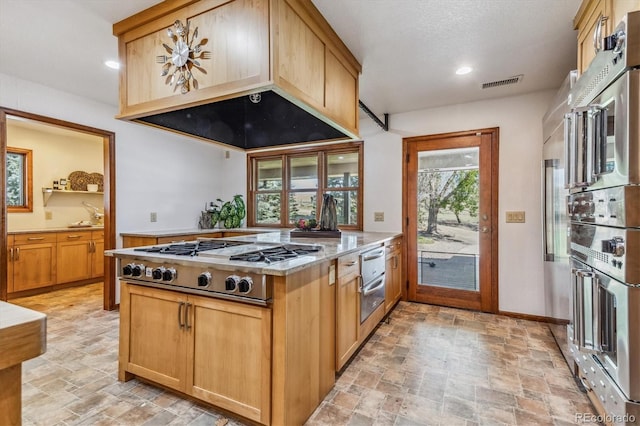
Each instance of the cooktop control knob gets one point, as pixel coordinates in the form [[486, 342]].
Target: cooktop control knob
[[127, 270], [169, 274], [245, 285], [156, 274], [204, 279], [231, 283], [137, 270]]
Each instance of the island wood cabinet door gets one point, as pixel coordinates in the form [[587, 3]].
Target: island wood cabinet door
[[393, 273], [214, 350], [153, 341], [347, 308]]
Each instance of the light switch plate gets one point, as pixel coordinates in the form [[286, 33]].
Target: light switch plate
[[378, 216], [48, 215], [515, 217], [153, 217]]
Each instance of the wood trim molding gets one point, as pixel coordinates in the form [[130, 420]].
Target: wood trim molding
[[109, 141], [537, 318]]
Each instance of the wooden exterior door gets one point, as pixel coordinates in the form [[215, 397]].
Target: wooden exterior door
[[450, 210]]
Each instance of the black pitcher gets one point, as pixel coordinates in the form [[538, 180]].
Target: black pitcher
[[329, 214]]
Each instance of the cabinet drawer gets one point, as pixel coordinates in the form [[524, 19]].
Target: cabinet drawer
[[73, 236], [97, 235], [348, 266], [35, 238]]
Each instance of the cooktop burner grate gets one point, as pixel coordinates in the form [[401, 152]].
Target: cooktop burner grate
[[190, 249], [275, 254]]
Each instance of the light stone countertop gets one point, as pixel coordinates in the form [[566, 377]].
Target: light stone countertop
[[57, 229], [192, 231], [332, 248]]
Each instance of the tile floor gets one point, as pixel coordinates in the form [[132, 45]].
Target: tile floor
[[428, 366]]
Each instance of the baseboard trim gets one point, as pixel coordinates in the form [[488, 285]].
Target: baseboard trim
[[537, 318]]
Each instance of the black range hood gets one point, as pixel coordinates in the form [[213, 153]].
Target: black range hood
[[247, 124]]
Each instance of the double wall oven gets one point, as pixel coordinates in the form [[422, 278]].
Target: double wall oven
[[602, 173]]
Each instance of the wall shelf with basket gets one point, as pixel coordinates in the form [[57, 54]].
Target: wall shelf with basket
[[48, 192]]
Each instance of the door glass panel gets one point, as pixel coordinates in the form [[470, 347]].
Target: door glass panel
[[302, 205], [342, 170], [269, 174], [346, 206], [303, 172], [448, 201], [268, 208]]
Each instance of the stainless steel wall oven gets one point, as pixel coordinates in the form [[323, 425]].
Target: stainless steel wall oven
[[602, 173]]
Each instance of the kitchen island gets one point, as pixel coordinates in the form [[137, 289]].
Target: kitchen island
[[271, 362]]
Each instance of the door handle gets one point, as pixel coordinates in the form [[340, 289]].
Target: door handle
[[485, 229], [180, 309], [187, 308], [17, 254]]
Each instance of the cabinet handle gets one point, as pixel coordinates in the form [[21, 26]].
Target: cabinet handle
[[11, 254], [17, 253], [395, 265], [186, 316], [35, 238], [352, 263], [73, 236], [92, 247], [180, 308]]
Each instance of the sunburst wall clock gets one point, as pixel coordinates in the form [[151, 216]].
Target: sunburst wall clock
[[184, 57]]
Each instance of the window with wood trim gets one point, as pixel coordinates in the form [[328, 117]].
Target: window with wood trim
[[19, 180], [287, 185]]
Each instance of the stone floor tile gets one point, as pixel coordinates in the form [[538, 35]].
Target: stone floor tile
[[428, 365]]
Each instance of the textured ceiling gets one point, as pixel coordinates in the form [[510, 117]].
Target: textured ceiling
[[409, 49]]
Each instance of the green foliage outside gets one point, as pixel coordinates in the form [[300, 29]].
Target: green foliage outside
[[15, 191]]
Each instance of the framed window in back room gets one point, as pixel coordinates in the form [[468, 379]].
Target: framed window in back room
[[286, 185], [19, 180]]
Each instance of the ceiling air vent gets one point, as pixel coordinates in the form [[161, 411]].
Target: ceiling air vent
[[510, 80]]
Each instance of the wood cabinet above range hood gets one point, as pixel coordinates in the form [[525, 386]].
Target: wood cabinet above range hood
[[283, 50]]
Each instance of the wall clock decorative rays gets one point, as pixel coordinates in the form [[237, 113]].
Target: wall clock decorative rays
[[184, 57]]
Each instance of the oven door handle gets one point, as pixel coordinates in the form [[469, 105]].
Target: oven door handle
[[588, 342], [377, 285], [569, 149], [598, 138], [373, 255]]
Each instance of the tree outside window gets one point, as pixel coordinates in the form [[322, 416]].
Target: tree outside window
[[19, 180]]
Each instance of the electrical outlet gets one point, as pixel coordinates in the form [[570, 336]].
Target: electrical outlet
[[48, 215], [515, 217], [378, 216], [153, 217]]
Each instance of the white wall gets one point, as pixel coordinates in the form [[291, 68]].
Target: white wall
[[521, 281], [156, 171], [55, 155]]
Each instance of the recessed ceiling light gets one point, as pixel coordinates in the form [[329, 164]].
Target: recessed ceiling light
[[464, 70], [112, 64]]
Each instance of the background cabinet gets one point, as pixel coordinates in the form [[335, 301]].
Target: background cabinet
[[31, 261], [74, 256], [592, 14], [97, 254], [219, 351]]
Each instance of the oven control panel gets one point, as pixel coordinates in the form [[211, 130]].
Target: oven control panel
[[607, 249], [619, 206], [241, 286]]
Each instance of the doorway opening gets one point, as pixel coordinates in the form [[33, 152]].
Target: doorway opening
[[450, 205], [42, 195]]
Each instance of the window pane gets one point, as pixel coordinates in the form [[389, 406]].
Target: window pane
[[304, 172], [268, 208], [342, 170], [346, 206], [269, 174], [302, 205], [15, 179]]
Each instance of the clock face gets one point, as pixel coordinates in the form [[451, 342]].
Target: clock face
[[184, 57]]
